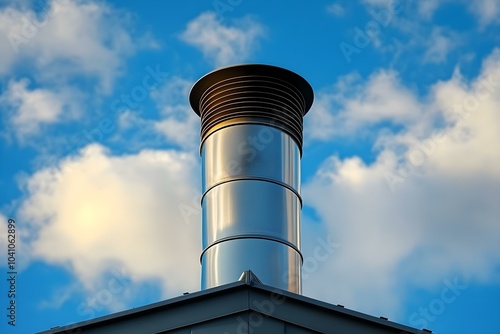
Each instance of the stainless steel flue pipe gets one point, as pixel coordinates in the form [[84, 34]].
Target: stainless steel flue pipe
[[251, 145]]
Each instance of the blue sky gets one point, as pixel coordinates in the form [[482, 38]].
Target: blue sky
[[101, 173]]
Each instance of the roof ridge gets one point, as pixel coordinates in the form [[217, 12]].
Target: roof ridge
[[249, 277]]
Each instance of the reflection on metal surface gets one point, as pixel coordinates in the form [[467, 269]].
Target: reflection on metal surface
[[250, 207], [251, 142], [272, 262], [250, 150]]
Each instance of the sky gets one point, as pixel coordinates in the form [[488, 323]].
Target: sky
[[100, 168]]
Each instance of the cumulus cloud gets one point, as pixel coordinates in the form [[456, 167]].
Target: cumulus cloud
[[415, 217], [426, 8], [138, 214], [68, 38], [178, 123], [352, 200], [29, 110], [425, 43], [352, 104], [223, 44], [487, 11], [439, 45]]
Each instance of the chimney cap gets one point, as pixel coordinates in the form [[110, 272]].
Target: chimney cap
[[250, 69]]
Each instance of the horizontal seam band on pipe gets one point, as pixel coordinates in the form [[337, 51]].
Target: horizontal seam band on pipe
[[253, 236], [252, 178]]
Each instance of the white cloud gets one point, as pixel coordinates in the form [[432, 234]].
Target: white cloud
[[473, 109], [377, 2], [320, 122], [439, 44], [7, 54], [441, 220], [335, 9], [487, 11], [354, 202], [179, 124], [69, 38], [139, 213], [352, 104], [181, 132], [420, 37], [31, 109], [59, 297], [426, 8], [221, 44]]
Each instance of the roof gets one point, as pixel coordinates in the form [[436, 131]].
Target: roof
[[245, 306]]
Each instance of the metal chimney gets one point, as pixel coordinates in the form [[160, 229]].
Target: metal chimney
[[251, 145]]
